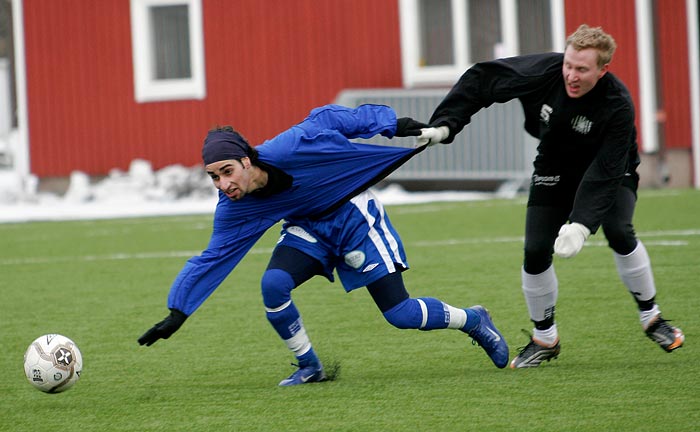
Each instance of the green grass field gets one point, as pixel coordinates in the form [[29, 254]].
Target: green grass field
[[103, 283]]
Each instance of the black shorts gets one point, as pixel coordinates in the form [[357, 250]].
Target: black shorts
[[549, 209]]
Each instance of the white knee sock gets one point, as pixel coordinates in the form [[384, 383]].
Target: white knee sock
[[635, 271], [541, 292]]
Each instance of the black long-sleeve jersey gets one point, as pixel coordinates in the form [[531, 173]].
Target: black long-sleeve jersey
[[587, 144]]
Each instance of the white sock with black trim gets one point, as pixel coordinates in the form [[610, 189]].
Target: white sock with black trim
[[541, 291], [635, 272]]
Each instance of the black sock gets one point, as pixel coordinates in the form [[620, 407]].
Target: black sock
[[544, 324], [645, 305]]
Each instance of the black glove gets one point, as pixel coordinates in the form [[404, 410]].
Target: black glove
[[163, 329], [406, 126]]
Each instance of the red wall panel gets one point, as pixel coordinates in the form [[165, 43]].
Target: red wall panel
[[267, 64], [78, 63], [618, 19], [672, 59]]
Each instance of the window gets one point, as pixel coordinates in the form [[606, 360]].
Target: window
[[534, 14], [485, 36], [441, 38], [168, 50], [436, 31]]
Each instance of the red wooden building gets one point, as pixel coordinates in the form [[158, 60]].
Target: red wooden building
[[100, 83]]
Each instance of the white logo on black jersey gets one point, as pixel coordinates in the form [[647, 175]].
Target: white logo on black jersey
[[539, 180], [581, 124], [545, 112]]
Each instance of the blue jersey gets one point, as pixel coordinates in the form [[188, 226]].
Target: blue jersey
[[327, 170]]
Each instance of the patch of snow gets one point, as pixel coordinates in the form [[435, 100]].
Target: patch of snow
[[141, 192]]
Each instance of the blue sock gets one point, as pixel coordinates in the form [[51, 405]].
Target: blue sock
[[308, 358], [284, 321], [438, 317], [473, 320], [409, 314]]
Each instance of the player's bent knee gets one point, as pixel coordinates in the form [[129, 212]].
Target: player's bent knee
[[536, 263], [277, 286], [405, 315], [621, 239]]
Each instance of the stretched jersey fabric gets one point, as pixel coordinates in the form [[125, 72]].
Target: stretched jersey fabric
[[587, 144], [327, 170]]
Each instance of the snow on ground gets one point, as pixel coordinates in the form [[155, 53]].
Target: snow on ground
[[173, 190]]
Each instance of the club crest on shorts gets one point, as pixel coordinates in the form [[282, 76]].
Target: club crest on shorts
[[301, 233], [355, 259]]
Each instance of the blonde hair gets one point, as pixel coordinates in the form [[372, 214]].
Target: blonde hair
[[593, 37]]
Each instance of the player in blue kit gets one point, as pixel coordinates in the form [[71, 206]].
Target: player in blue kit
[[316, 180]]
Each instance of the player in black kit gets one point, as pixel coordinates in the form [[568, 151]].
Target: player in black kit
[[584, 173]]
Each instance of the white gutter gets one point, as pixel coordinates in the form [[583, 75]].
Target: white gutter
[[557, 18], [691, 11], [510, 45], [647, 77], [21, 154]]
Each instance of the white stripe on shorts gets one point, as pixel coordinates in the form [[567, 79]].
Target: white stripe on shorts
[[393, 244], [361, 201]]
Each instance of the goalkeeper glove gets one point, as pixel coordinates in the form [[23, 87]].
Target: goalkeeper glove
[[406, 126], [163, 329], [571, 239], [433, 135]]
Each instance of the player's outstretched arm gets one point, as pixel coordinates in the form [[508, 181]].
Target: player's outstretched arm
[[433, 135], [163, 329], [406, 126]]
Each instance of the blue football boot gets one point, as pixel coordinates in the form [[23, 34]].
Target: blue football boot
[[489, 338], [308, 372]]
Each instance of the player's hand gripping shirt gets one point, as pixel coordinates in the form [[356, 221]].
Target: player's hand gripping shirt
[[587, 144], [327, 169]]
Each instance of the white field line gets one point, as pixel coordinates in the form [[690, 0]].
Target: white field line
[[667, 242], [592, 242], [111, 257]]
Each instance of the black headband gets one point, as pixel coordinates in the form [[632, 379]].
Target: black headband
[[222, 145]]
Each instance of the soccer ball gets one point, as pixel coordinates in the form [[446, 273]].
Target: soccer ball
[[53, 363]]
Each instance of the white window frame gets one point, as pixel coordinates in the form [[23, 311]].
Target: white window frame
[[415, 75], [146, 87]]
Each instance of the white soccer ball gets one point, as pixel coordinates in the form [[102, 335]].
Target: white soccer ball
[[53, 363]]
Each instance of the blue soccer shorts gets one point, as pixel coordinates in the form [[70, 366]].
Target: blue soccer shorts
[[357, 240]]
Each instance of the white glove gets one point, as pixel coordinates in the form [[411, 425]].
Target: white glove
[[571, 239], [433, 135]]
